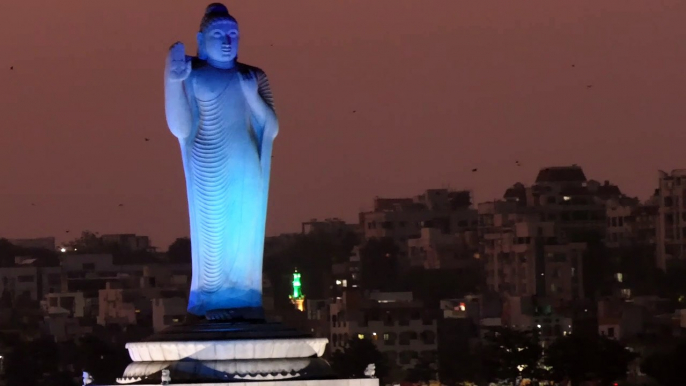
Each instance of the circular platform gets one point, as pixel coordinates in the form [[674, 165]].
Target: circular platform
[[216, 341]]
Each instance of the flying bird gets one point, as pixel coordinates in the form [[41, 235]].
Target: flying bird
[[589, 86], [573, 65], [147, 139], [11, 67], [121, 204], [473, 170], [66, 231]]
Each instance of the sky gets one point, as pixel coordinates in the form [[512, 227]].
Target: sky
[[375, 98]]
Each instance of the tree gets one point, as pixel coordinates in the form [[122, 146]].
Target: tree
[[29, 362], [358, 354], [509, 354], [88, 242], [180, 250], [580, 358], [667, 365], [102, 360], [423, 371]]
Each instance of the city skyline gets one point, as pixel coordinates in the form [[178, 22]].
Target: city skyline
[[487, 87]]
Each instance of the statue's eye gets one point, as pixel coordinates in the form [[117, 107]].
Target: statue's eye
[[233, 33]]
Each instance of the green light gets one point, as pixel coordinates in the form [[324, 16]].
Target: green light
[[297, 292]]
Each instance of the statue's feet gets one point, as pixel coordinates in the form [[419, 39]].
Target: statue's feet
[[246, 314]]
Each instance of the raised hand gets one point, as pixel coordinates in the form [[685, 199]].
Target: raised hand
[[178, 68]]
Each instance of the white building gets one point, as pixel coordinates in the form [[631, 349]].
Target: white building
[[167, 312], [72, 304]]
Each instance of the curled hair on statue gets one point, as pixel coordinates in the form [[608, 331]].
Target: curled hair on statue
[[214, 13]]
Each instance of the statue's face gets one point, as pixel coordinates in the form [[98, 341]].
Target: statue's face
[[221, 41]]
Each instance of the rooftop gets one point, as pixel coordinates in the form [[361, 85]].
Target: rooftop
[[561, 174]]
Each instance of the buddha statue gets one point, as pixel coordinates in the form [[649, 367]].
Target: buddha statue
[[223, 115]]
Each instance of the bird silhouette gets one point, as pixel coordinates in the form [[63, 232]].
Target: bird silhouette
[[573, 65], [354, 111], [121, 204], [147, 139], [473, 170], [11, 67], [589, 86], [66, 231], [33, 204]]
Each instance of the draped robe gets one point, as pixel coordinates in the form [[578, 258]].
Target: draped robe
[[227, 163]]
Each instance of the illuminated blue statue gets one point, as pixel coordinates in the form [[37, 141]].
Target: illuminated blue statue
[[222, 113]]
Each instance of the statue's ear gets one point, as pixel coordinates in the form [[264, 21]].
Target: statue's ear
[[202, 54]]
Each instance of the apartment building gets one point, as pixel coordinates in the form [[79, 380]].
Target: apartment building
[[671, 226], [398, 325]]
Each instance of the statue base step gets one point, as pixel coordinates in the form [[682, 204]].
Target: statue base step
[[207, 340], [195, 372], [291, 382]]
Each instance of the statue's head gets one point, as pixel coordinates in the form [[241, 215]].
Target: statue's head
[[218, 36]]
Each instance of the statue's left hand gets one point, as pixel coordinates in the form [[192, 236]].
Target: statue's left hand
[[259, 107], [249, 85]]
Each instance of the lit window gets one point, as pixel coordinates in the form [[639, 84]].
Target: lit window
[[360, 336], [619, 277], [462, 307], [386, 337], [345, 283], [566, 198], [338, 282]]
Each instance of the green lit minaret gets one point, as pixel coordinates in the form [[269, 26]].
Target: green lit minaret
[[297, 298]]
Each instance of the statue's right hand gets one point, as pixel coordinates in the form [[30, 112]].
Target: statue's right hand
[[178, 66]]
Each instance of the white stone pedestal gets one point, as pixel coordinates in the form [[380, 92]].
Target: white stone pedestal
[[326, 382]]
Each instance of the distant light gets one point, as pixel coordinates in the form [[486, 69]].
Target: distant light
[[566, 198], [538, 325], [373, 333], [138, 311], [338, 282], [360, 336], [63, 250]]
